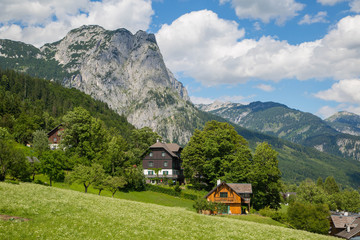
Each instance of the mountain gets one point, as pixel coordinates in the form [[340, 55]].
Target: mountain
[[345, 122], [281, 121], [125, 71]]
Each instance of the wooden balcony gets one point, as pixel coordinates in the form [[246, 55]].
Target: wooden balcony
[[224, 199]]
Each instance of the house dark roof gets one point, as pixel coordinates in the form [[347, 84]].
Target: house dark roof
[[236, 187], [340, 221], [171, 148], [354, 229], [54, 130], [241, 187]]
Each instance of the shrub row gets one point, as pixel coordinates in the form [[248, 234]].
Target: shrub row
[[176, 191]]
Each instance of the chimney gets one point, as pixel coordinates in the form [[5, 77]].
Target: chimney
[[348, 227], [346, 214], [157, 140], [218, 182]]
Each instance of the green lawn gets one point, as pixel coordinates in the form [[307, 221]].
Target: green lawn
[[144, 196], [256, 218], [63, 214]]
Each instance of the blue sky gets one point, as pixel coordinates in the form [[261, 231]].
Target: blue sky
[[305, 54]]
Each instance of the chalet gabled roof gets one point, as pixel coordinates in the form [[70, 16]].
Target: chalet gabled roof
[[340, 221], [54, 130], [171, 148], [355, 229], [236, 187]]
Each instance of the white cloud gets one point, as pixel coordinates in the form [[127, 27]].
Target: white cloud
[[201, 100], [257, 26], [330, 2], [344, 91], [355, 6], [265, 87], [266, 10], [234, 99], [212, 51], [327, 111], [41, 21], [320, 17]]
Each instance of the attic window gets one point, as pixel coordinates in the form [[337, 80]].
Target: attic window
[[223, 194], [163, 154], [150, 154]]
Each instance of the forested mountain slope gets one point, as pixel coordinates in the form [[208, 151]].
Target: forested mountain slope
[[290, 124]]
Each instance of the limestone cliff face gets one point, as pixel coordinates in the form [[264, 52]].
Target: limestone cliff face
[[128, 72]]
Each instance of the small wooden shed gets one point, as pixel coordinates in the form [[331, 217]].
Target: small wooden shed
[[233, 195]]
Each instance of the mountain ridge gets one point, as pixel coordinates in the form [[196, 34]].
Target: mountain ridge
[[296, 126]]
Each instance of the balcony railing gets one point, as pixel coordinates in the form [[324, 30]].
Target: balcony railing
[[162, 176], [224, 199]]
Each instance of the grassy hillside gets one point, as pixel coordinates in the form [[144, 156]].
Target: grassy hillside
[[63, 214]]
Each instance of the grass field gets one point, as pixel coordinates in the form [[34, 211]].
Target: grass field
[[63, 214]]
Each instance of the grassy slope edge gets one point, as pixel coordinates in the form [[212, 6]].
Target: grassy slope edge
[[63, 214]]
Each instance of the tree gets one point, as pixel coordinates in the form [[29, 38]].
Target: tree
[[134, 177], [12, 161], [265, 177], [320, 182], [210, 153], [87, 175], [52, 165], [330, 185], [308, 192], [141, 140], [40, 141], [114, 183], [84, 135], [351, 200], [116, 154], [309, 217]]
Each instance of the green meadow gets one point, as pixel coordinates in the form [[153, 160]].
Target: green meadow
[[56, 213]]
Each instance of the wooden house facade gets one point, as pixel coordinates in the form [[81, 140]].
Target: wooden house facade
[[233, 195], [165, 157], [54, 136]]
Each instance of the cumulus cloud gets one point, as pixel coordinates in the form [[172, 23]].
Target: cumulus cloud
[[265, 87], [234, 99], [213, 51], [330, 2], [355, 6], [318, 18], [266, 10], [344, 91], [41, 21]]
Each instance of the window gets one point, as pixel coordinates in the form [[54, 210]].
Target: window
[[150, 172], [55, 139], [165, 164], [163, 154], [224, 194], [150, 154], [151, 164], [165, 173]]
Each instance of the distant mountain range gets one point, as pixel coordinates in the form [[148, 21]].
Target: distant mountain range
[[338, 135]]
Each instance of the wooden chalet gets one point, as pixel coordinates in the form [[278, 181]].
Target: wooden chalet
[[166, 158], [54, 136], [345, 226], [233, 195]]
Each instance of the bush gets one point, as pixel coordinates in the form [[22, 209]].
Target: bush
[[177, 189], [309, 217], [170, 191]]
